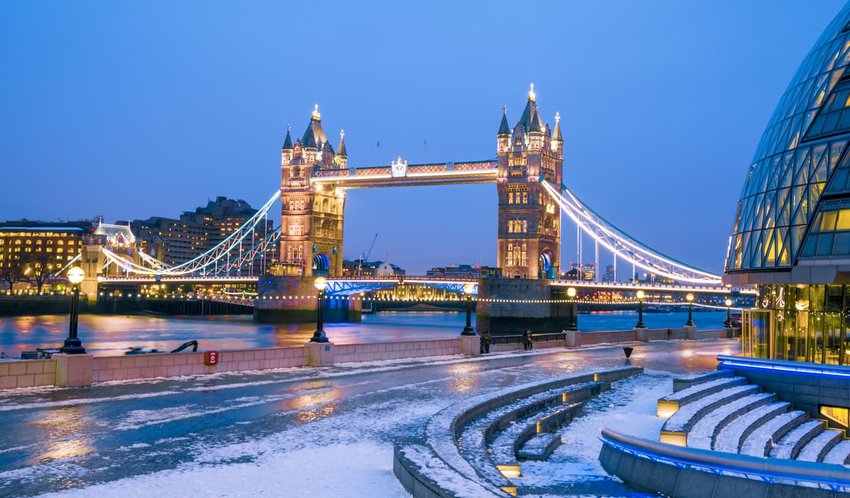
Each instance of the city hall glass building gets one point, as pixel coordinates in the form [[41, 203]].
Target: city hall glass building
[[791, 236]]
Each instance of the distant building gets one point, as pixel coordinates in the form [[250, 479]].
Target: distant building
[[361, 268], [461, 271], [610, 274], [33, 250], [586, 272], [176, 241]]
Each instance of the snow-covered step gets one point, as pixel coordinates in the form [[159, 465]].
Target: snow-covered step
[[703, 433], [795, 439], [759, 442], [670, 404], [539, 447], [839, 454], [729, 438], [689, 414], [691, 380], [819, 446]]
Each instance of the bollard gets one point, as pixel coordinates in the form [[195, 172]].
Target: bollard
[[628, 351]]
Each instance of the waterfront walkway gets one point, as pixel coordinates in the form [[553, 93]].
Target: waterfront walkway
[[310, 431]]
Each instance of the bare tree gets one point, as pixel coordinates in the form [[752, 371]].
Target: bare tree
[[11, 272], [39, 268]]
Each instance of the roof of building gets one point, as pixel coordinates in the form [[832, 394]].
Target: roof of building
[[287, 142], [115, 233], [342, 151], [314, 135], [504, 129], [783, 216]]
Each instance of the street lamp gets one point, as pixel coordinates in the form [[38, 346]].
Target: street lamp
[[640, 296], [690, 299], [321, 284], [728, 322], [72, 344], [573, 325], [468, 289]]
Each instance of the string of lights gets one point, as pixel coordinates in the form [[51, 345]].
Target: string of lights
[[231, 297], [624, 246]]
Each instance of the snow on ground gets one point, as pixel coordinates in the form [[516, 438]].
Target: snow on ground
[[629, 407], [332, 471]]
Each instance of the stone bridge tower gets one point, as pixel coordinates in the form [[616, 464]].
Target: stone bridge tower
[[311, 219], [529, 244]]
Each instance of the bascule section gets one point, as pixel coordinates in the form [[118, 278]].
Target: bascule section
[[529, 240]]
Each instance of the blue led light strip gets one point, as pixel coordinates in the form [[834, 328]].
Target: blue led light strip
[[727, 470], [784, 368]]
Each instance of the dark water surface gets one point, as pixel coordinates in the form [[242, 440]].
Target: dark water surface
[[111, 334]]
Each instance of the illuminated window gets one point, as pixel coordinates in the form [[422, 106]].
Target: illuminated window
[[838, 414], [834, 115]]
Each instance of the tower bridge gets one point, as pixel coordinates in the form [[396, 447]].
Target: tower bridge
[[532, 196]]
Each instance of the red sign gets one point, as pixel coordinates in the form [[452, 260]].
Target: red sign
[[211, 358]]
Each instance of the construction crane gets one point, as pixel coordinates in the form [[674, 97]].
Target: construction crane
[[366, 256]]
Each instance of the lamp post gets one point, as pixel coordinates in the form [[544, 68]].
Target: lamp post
[[321, 284], [728, 322], [690, 299], [573, 325], [640, 296], [468, 289], [72, 344]]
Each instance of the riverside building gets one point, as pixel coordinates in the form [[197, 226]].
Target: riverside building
[[791, 235]]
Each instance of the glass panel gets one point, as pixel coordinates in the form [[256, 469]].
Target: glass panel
[[838, 414], [842, 244], [843, 220], [824, 245]]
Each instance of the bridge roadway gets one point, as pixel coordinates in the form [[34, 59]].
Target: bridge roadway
[[312, 432], [349, 286]]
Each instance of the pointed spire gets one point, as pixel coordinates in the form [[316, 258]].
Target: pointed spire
[[342, 151], [504, 129], [287, 142], [557, 134], [316, 116], [532, 97], [309, 140], [535, 124]]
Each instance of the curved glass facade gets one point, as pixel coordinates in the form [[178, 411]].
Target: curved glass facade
[[802, 149]]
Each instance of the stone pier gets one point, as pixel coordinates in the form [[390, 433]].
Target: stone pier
[[515, 311]]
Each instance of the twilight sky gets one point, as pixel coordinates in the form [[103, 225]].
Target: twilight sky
[[135, 109]]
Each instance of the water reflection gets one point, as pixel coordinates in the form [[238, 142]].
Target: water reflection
[[60, 426], [113, 334], [465, 379]]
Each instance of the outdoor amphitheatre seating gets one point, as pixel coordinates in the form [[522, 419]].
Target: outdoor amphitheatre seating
[[476, 447], [719, 412]]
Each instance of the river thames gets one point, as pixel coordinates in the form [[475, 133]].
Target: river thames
[[114, 334]]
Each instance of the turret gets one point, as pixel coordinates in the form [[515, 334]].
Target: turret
[[503, 138], [557, 143], [341, 158], [286, 150]]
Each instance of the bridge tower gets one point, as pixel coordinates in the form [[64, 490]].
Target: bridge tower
[[529, 240], [311, 215]]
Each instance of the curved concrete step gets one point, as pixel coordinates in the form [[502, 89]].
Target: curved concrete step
[[789, 446], [839, 454], [682, 383], [761, 440], [820, 445], [539, 447], [704, 432], [689, 414], [670, 404], [729, 438]]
